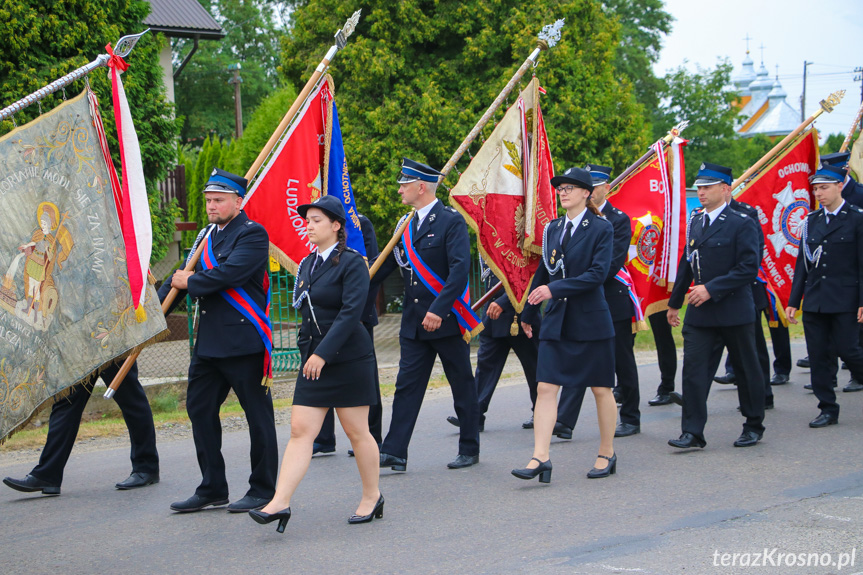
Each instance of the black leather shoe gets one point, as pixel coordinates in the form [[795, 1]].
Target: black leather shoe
[[726, 379], [779, 379], [247, 503], [377, 513], [626, 429], [609, 469], [453, 420], [809, 386], [196, 503], [687, 441], [323, 449], [462, 461], [618, 396], [528, 424], [30, 484], [282, 517], [747, 439], [853, 385], [676, 398], [393, 462], [660, 399], [824, 420], [138, 479], [804, 363], [562, 431], [543, 470]]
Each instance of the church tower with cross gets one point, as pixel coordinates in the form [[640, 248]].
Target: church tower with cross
[[762, 104]]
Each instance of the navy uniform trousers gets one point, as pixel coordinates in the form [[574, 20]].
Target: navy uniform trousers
[[666, 351], [491, 359], [65, 420], [210, 380]]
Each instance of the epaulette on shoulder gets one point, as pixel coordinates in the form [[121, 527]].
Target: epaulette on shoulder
[[859, 210], [742, 215], [815, 212], [350, 249], [452, 209]]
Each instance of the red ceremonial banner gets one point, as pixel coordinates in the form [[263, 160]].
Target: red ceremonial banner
[[654, 198], [780, 193], [293, 176], [505, 195]]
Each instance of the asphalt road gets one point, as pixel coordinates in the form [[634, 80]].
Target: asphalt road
[[666, 511]]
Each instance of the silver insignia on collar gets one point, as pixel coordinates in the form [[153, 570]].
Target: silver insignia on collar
[[584, 223], [432, 217]]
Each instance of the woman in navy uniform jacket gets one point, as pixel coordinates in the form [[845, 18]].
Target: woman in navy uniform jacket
[[576, 340], [338, 361]]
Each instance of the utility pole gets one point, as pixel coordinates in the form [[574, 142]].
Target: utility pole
[[803, 95], [238, 104]]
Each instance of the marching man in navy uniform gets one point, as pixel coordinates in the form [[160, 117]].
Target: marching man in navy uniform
[[434, 255], [232, 347], [720, 262], [828, 278], [622, 308]]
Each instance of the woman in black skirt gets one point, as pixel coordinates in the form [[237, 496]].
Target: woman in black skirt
[[338, 362], [576, 340]]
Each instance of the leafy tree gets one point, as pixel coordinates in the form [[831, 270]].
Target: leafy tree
[[42, 40], [704, 97], [203, 96], [236, 157], [642, 22], [417, 75]]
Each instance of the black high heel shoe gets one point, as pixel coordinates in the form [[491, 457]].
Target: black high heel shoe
[[543, 470], [264, 518], [377, 513], [610, 469]]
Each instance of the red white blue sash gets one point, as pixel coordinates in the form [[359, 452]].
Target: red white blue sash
[[623, 277], [468, 322], [243, 303]]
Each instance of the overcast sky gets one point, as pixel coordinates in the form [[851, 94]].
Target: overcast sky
[[829, 34]]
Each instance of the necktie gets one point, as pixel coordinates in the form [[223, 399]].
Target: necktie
[[706, 221], [416, 224], [318, 261], [567, 233], [829, 217]]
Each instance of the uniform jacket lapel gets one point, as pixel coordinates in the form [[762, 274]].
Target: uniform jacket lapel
[[713, 228], [428, 222], [837, 222], [580, 232], [321, 270]]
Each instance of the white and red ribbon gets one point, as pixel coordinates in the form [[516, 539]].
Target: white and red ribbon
[[135, 215]]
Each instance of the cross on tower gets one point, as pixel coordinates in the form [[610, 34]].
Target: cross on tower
[[747, 42], [762, 53]]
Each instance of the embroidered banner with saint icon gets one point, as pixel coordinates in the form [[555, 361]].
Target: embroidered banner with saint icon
[[65, 303]]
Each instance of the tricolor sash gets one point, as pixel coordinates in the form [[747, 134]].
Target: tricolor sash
[[468, 322], [243, 303], [623, 277], [775, 313]]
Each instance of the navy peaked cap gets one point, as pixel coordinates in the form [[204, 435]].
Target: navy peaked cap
[[413, 171], [329, 204], [222, 181], [600, 174], [576, 176], [710, 174], [839, 159], [828, 174]]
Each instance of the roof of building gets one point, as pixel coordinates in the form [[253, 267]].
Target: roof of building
[[183, 19]]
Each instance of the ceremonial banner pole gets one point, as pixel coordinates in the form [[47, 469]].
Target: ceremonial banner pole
[[547, 38], [826, 106], [667, 139], [341, 39], [123, 48], [851, 130]]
